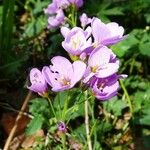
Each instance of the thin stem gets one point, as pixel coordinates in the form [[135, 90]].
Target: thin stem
[[51, 105], [87, 122], [127, 95], [64, 141]]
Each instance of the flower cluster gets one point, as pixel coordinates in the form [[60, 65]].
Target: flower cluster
[[94, 64], [55, 11]]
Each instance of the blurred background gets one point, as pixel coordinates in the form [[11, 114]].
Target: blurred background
[[25, 42]]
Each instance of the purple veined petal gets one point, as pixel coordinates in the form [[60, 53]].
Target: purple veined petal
[[52, 22], [117, 30], [60, 15], [79, 68], [99, 56], [114, 40], [56, 20], [83, 56], [107, 92], [51, 9], [36, 74], [47, 74], [88, 31], [88, 75], [64, 31], [62, 65], [63, 4], [107, 70], [106, 34], [76, 42], [38, 83], [85, 20], [78, 3], [60, 88], [50, 77], [99, 30], [70, 49]]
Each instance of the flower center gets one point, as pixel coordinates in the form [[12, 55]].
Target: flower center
[[94, 69], [64, 81], [75, 41]]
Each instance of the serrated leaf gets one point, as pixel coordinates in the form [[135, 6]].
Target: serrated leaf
[[35, 124]]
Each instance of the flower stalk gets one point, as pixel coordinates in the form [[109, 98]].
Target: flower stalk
[[87, 122]]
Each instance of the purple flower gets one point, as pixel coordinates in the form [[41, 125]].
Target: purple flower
[[102, 63], [56, 20], [85, 20], [63, 4], [77, 3], [52, 8], [63, 75], [106, 34], [105, 88], [62, 126], [55, 6], [38, 83], [76, 40]]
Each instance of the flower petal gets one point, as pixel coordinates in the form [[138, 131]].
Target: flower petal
[[107, 70], [79, 68]]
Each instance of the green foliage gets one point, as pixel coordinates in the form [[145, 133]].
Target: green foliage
[[40, 110], [34, 125], [115, 106], [28, 43], [39, 106]]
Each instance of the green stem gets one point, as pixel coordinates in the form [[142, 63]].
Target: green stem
[[64, 141], [87, 122], [51, 105], [127, 95]]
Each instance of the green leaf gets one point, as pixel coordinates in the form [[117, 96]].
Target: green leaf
[[115, 106], [35, 124], [122, 47], [145, 120], [113, 11], [39, 106], [145, 49]]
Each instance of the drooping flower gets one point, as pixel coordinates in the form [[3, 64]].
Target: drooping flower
[[63, 75], [105, 88], [106, 34], [62, 126], [102, 63], [85, 20], [56, 20], [76, 40], [38, 83]]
